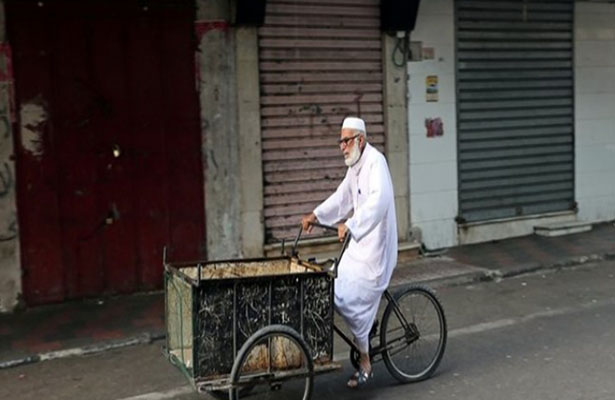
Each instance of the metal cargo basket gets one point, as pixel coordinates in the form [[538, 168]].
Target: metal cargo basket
[[212, 308]]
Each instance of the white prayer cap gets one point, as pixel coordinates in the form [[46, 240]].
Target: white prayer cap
[[354, 123]]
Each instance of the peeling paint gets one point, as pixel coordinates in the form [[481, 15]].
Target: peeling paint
[[33, 115]]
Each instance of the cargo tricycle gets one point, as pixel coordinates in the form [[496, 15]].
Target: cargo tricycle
[[263, 328]]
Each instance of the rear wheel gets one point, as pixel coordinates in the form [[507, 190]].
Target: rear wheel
[[414, 334], [275, 363]]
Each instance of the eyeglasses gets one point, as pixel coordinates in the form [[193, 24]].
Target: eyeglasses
[[346, 140]]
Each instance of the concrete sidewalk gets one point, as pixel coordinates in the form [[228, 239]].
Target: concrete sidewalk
[[510, 257], [91, 326]]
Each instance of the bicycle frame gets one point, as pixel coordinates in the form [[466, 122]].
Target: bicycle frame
[[410, 331], [295, 253]]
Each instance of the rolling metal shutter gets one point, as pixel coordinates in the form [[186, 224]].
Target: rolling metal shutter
[[319, 61], [515, 108]]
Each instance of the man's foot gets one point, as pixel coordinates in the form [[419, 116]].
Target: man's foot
[[359, 378], [364, 373]]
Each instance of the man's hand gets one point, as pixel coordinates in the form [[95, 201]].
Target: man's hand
[[342, 231], [307, 222]]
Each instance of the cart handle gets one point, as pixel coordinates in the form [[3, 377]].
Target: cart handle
[[295, 253]]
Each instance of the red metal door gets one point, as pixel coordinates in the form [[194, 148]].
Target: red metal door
[[108, 143]]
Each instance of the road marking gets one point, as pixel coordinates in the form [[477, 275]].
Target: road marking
[[483, 327], [502, 323]]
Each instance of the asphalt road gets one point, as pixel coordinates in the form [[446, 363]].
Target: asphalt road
[[541, 336]]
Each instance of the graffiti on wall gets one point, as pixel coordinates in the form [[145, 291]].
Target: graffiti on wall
[[6, 82], [8, 224], [8, 227]]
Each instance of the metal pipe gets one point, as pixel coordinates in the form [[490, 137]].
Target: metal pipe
[[234, 320], [294, 252]]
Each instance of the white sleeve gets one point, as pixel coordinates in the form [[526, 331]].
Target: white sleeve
[[373, 210], [337, 206]]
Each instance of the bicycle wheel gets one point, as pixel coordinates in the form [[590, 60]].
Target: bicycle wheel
[[413, 334], [276, 363]]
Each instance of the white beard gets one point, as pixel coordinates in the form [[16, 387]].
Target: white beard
[[354, 155]]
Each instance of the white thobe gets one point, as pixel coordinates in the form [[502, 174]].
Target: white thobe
[[365, 269]]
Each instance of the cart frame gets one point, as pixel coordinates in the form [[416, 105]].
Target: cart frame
[[203, 380]]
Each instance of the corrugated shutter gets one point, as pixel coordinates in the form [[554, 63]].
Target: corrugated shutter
[[515, 108], [319, 62]]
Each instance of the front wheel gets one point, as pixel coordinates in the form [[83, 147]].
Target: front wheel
[[275, 362], [413, 334]]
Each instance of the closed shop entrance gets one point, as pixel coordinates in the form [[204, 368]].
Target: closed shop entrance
[[107, 142], [515, 108], [319, 62]]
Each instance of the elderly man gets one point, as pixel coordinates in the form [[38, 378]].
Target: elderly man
[[366, 267]]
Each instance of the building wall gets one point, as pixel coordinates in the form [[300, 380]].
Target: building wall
[[396, 126], [250, 158], [433, 160], [10, 270], [220, 138], [230, 118], [595, 110]]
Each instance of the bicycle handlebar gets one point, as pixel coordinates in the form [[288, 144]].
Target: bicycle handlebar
[[295, 253]]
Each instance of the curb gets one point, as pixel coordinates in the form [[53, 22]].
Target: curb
[[488, 275], [484, 275], [144, 338]]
